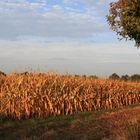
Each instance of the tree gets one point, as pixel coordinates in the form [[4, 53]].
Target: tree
[[135, 78], [125, 77], [114, 76], [2, 73], [124, 18]]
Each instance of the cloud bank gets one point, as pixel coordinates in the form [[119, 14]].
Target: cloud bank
[[74, 58], [70, 19]]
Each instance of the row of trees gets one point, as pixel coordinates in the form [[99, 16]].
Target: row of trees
[[114, 76], [134, 77]]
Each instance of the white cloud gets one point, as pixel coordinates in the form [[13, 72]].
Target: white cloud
[[21, 18], [89, 2]]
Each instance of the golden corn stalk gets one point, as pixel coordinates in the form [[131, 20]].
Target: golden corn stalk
[[44, 95]]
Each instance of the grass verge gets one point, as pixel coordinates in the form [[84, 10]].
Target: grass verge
[[118, 124]]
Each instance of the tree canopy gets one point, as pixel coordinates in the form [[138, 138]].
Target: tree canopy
[[114, 76], [124, 18]]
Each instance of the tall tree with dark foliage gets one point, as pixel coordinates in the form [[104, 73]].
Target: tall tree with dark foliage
[[124, 18]]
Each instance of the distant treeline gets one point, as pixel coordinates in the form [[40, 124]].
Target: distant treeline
[[114, 76], [134, 77]]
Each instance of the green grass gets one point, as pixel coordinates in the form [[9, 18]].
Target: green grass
[[57, 128], [81, 126]]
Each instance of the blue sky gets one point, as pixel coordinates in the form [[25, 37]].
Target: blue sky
[[66, 36]]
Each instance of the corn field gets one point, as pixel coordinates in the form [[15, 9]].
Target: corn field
[[43, 95]]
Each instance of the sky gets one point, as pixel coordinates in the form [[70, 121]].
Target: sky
[[64, 36]]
